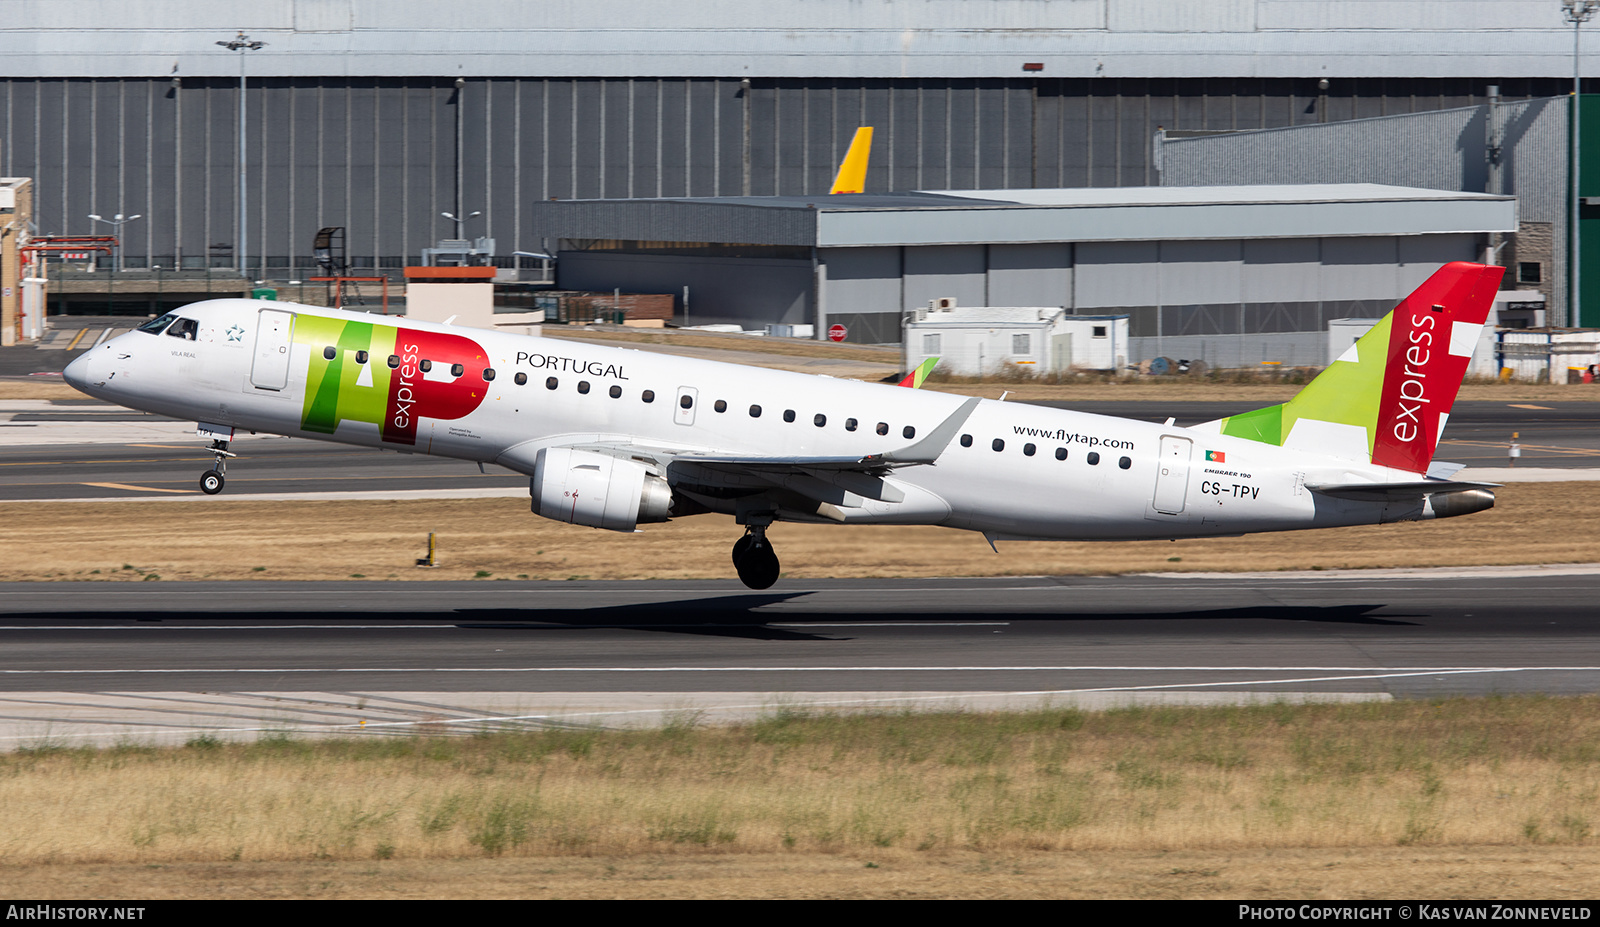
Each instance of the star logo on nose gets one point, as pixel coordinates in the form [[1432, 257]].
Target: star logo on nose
[[235, 333]]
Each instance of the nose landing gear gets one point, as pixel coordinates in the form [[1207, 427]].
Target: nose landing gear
[[754, 560], [212, 480]]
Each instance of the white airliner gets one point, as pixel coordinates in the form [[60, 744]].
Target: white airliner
[[614, 438]]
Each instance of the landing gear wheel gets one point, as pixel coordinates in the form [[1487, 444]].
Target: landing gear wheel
[[756, 563], [211, 481]]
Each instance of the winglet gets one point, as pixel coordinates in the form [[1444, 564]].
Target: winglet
[[928, 449], [919, 376], [852, 176]]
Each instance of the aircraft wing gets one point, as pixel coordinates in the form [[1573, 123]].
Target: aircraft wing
[[926, 451], [838, 481]]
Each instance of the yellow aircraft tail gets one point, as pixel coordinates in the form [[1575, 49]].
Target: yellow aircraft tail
[[852, 176]]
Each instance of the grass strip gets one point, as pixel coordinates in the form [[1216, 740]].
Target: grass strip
[[1507, 771], [497, 539]]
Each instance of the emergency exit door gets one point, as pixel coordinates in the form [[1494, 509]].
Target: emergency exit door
[[1172, 475]]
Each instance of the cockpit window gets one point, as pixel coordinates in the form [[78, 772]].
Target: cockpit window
[[154, 326], [186, 329]]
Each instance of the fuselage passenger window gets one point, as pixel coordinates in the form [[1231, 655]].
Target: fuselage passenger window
[[648, 395], [328, 353], [883, 428], [755, 411], [1125, 463], [720, 406], [909, 432], [966, 440], [998, 444], [551, 383], [488, 374], [457, 370], [686, 401], [819, 420], [424, 365], [394, 361], [1028, 449], [850, 424], [583, 386], [361, 357], [788, 415], [521, 379], [1061, 453], [1094, 458], [616, 392]]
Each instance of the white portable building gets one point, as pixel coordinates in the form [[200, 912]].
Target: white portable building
[[983, 340]]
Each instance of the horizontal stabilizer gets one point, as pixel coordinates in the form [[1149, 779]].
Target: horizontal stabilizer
[[1386, 492]]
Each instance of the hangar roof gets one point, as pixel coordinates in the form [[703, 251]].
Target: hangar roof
[[1047, 215], [797, 38]]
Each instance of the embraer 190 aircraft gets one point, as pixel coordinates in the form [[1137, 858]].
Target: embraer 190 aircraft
[[613, 438]]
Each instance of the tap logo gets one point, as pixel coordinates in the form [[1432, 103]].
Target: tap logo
[[408, 375]]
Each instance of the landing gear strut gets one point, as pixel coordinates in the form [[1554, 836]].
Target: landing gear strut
[[211, 481], [754, 560]]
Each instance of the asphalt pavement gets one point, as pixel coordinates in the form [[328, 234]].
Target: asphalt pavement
[[119, 662]]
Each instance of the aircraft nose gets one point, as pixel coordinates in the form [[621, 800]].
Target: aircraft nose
[[77, 373]]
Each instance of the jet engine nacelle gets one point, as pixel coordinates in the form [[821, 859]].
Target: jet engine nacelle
[[597, 490]]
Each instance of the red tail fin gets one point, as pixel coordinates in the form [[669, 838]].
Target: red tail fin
[[1431, 339]]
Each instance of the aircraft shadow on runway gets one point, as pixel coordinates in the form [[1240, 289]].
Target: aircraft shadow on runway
[[741, 616]]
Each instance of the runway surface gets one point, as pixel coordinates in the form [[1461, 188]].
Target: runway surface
[[92, 662], [82, 449]]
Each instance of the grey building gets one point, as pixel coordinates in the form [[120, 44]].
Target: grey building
[[1516, 149], [1231, 275], [377, 115]]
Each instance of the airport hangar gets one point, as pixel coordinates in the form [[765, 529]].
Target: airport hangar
[[1230, 275], [378, 115]]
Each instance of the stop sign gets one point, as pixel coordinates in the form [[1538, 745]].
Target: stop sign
[[836, 333]]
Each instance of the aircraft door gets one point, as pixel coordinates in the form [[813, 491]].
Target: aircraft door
[[1172, 475], [683, 412], [271, 367]]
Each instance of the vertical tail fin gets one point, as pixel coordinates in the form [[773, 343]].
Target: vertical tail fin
[[852, 176], [1386, 400]]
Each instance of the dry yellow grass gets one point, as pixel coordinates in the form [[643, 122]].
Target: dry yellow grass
[[38, 389], [900, 790], [224, 539]]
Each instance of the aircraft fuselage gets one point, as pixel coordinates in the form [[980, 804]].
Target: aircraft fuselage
[[1013, 471]]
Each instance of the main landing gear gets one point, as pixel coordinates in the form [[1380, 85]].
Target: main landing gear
[[754, 560], [211, 481]]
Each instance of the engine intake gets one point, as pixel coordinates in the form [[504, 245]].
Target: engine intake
[[598, 490]]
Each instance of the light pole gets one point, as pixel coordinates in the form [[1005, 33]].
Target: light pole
[[116, 222], [1576, 12], [241, 44], [475, 213]]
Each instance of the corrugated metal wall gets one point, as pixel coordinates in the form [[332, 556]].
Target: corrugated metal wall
[[382, 157], [1447, 150]]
